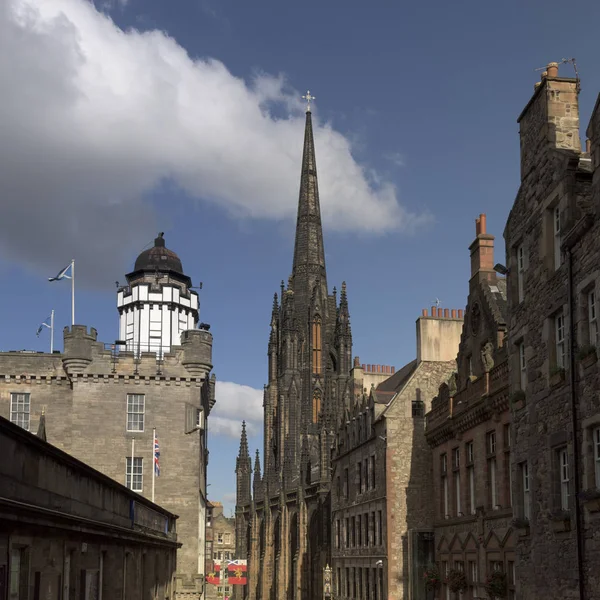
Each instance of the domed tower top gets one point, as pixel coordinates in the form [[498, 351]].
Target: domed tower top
[[159, 258], [158, 303]]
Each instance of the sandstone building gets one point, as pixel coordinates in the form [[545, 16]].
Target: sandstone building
[[553, 256], [220, 548], [381, 518], [103, 401], [468, 429], [283, 515], [68, 531]]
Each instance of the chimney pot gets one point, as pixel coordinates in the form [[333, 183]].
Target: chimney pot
[[433, 311], [482, 224], [393, 370], [460, 313], [446, 313], [364, 367], [552, 70], [424, 312], [454, 313], [379, 368], [588, 146]]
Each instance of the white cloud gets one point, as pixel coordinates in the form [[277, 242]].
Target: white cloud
[[236, 403], [94, 117]]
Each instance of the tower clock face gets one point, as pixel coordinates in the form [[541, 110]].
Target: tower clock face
[[475, 319]]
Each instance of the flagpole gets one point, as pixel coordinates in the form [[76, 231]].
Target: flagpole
[[153, 460], [73, 292], [132, 455], [52, 331]]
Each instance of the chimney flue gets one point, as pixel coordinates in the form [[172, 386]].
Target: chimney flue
[[454, 313], [552, 70], [433, 311], [424, 312]]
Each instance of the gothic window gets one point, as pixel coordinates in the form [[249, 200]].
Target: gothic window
[[316, 407], [316, 340]]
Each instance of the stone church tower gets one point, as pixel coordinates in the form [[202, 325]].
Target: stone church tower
[[283, 518]]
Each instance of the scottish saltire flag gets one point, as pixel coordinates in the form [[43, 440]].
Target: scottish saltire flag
[[43, 324], [156, 457], [62, 274]]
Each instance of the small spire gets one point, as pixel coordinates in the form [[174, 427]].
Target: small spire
[[275, 303], [257, 477], [244, 443], [41, 432]]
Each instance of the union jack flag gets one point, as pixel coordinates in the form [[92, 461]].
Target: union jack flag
[[156, 456]]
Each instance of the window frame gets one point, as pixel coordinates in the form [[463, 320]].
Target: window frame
[[520, 272], [596, 454], [522, 366], [592, 312], [133, 402], [525, 489], [564, 480], [17, 416], [560, 340], [130, 473], [556, 228]]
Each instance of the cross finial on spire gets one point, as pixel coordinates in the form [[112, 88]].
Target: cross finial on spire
[[309, 97]]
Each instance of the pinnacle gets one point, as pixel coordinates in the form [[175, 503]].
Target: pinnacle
[[244, 443]]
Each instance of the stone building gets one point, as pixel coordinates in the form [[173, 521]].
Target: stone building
[[68, 531], [365, 376], [381, 520], [468, 429], [220, 540], [283, 516], [104, 401], [553, 257]]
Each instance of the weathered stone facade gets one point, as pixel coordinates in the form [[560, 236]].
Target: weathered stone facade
[[553, 253], [101, 405], [220, 548], [68, 531], [381, 518], [468, 429], [283, 516]]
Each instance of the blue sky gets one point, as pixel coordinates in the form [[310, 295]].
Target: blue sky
[[128, 118]]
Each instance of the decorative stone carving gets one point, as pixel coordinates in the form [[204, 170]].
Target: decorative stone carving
[[487, 356], [452, 387]]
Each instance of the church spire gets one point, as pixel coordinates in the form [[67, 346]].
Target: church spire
[[309, 254], [243, 469], [244, 453]]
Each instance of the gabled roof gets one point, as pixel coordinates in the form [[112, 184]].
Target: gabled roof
[[495, 294], [387, 389]]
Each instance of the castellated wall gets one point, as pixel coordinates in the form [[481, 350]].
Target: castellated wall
[[84, 393]]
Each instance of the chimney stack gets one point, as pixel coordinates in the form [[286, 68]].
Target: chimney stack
[[482, 249], [550, 120]]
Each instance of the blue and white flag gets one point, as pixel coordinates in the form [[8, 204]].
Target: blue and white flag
[[62, 274], [43, 324]]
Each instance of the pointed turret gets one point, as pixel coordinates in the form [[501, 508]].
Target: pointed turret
[[41, 432], [309, 254], [257, 483], [243, 470]]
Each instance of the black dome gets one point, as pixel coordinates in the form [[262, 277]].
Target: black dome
[[159, 258]]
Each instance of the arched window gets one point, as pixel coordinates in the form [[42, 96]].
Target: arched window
[[316, 344], [316, 406]]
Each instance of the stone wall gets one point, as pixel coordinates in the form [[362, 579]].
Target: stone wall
[[84, 395], [66, 527], [559, 177]]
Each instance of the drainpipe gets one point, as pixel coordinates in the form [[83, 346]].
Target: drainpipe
[[576, 456]]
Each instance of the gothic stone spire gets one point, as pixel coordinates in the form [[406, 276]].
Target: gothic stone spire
[[244, 453], [309, 254]]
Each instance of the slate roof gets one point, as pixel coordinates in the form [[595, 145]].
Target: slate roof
[[495, 295], [387, 389]]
